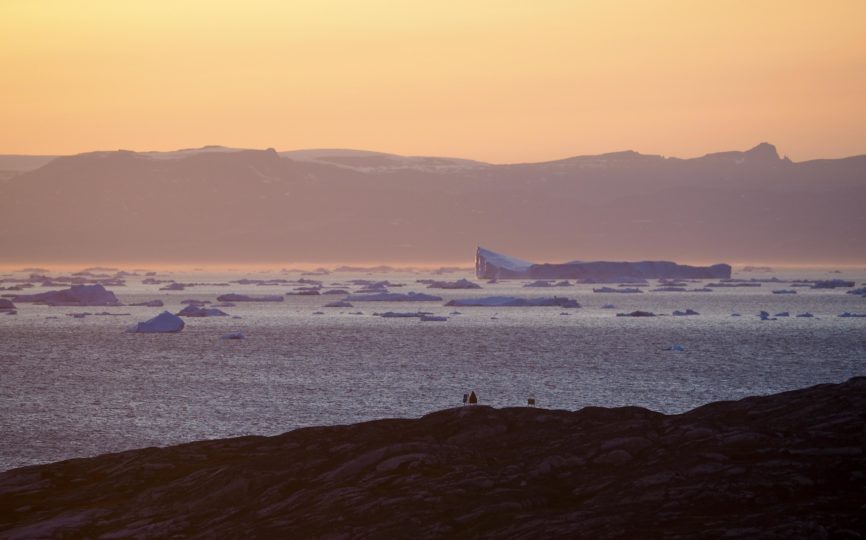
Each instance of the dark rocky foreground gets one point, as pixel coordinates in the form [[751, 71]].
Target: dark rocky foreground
[[790, 465]]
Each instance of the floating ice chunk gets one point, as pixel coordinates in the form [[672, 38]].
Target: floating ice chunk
[[806, 315], [784, 291], [848, 314], [459, 284], [149, 303], [624, 290], [433, 318], [512, 301], [77, 295], [676, 347], [392, 297], [637, 313], [782, 314], [233, 335], [197, 311], [163, 323], [401, 314], [340, 304], [233, 297], [687, 312]]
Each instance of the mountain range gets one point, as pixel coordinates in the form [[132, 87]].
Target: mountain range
[[218, 204]]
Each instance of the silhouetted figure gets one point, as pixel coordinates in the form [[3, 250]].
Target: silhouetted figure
[[531, 402], [465, 399], [473, 399]]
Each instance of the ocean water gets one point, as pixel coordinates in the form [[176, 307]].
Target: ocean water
[[81, 387]]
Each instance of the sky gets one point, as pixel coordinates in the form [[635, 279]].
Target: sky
[[499, 81]]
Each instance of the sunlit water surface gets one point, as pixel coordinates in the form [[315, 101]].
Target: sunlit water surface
[[80, 387]]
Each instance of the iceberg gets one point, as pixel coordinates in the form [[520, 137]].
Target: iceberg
[[232, 297], [832, 284], [459, 284], [340, 304], [198, 311], [77, 295], [513, 301], [392, 297], [492, 265], [165, 322], [625, 290], [149, 303]]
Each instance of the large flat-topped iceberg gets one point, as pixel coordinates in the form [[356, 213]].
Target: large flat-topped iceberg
[[491, 265], [77, 295]]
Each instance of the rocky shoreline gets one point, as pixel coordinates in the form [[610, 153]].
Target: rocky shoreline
[[790, 465]]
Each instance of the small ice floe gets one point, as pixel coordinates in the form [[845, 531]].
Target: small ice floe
[[806, 315], [676, 347], [782, 314], [849, 314], [565, 313], [784, 291], [622, 290], [193, 302], [318, 313], [339, 304], [433, 318], [336, 291], [637, 313], [459, 284], [173, 287], [401, 314], [165, 322], [233, 335], [198, 311], [392, 297], [513, 301], [233, 297], [608, 306], [455, 313], [736, 315], [765, 316], [149, 303], [685, 313]]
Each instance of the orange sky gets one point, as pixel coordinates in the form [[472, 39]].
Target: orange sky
[[498, 80]]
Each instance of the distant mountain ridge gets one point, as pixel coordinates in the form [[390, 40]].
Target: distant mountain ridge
[[233, 205]]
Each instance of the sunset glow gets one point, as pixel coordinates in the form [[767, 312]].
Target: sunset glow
[[501, 81]]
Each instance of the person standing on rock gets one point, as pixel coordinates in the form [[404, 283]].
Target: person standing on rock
[[473, 399]]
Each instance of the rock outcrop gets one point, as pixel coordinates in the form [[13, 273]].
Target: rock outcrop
[[790, 465]]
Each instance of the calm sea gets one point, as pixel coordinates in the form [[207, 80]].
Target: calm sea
[[80, 387]]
